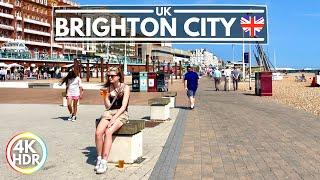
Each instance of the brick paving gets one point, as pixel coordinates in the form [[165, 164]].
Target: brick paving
[[230, 135]]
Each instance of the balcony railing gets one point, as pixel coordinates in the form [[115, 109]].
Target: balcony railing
[[27, 56]]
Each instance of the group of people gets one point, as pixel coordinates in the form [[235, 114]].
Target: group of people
[[116, 96], [228, 75]]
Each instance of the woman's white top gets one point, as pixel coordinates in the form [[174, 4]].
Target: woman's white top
[[74, 87]]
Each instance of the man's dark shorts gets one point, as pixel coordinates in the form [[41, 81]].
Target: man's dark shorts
[[191, 93]]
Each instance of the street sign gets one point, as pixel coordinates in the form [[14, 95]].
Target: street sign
[[246, 57]]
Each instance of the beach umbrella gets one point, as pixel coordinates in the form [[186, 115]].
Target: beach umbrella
[[14, 65], [3, 65]]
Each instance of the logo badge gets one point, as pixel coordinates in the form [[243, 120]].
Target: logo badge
[[26, 153]]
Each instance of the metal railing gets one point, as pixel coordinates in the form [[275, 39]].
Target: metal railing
[[27, 56]]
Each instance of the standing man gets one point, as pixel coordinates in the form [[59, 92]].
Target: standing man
[[217, 77], [227, 74], [191, 84], [235, 78]]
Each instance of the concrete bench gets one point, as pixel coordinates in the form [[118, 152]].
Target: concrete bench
[[39, 85], [172, 97], [160, 109], [127, 142]]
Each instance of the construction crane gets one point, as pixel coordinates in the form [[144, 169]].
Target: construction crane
[[262, 59]]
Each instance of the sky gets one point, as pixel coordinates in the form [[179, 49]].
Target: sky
[[294, 30]]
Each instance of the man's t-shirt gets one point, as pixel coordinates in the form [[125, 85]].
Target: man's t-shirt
[[192, 80]]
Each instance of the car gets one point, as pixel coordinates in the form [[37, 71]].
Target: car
[[14, 46]]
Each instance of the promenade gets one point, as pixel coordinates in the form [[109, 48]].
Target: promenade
[[229, 135]]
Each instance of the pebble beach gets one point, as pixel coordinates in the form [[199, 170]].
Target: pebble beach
[[290, 92]]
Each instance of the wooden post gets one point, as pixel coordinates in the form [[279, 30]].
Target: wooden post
[[102, 70], [180, 64], [153, 65], [88, 71], [147, 63], [176, 70], [75, 67], [97, 68], [80, 68]]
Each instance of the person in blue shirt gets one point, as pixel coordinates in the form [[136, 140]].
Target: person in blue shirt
[[217, 77], [191, 84]]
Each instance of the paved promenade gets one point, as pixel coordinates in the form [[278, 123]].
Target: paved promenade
[[229, 135], [234, 136], [71, 146]]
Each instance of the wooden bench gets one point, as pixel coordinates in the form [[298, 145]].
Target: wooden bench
[[172, 97], [160, 109], [127, 142], [39, 85]]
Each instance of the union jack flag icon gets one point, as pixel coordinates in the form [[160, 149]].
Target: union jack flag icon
[[252, 25]]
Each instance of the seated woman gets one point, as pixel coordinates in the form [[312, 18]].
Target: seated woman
[[116, 98]]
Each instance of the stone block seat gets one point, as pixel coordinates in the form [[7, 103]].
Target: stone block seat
[[160, 109], [127, 142], [40, 85], [172, 96]]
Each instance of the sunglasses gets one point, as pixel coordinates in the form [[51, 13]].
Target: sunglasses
[[112, 76]]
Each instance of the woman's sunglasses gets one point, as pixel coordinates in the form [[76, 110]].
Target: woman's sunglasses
[[112, 76]]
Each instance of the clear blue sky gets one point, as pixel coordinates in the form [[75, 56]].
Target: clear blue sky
[[294, 29]]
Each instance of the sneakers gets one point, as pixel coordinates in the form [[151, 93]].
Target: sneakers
[[102, 167], [98, 163], [70, 117], [74, 118]]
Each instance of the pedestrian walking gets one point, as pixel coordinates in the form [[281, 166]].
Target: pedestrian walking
[[191, 84], [217, 78], [227, 74], [74, 92], [235, 78], [116, 100]]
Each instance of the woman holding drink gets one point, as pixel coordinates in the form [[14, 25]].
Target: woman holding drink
[[116, 99]]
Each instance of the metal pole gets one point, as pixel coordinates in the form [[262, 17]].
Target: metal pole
[[243, 64], [250, 67], [51, 44], [125, 68]]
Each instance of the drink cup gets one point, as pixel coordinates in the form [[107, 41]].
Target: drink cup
[[121, 163]]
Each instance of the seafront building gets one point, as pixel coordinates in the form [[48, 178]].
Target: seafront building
[[29, 23]]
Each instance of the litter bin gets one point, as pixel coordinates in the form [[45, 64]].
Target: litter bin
[[152, 82], [143, 81], [162, 84], [135, 82], [264, 83]]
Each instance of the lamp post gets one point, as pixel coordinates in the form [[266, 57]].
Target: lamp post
[[51, 37]]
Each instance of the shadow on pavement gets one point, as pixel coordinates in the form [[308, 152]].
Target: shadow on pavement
[[249, 94], [183, 107], [146, 118], [64, 118], [91, 153]]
